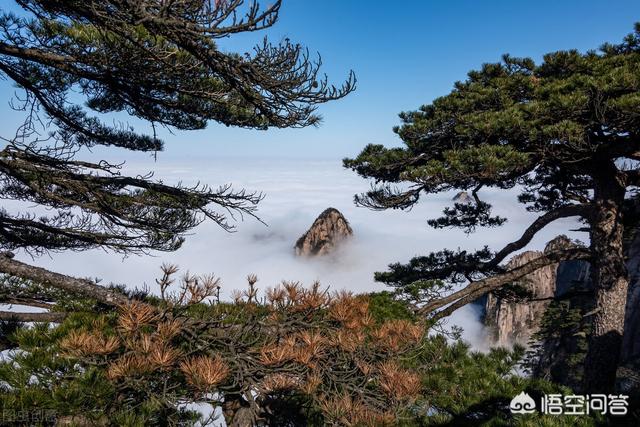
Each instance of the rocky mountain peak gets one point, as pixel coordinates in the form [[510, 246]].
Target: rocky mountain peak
[[329, 229], [559, 243], [463, 197]]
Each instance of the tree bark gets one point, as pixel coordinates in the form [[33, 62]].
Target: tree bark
[[237, 411], [609, 280], [51, 317], [60, 281], [477, 289]]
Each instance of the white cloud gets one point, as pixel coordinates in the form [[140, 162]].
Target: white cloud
[[296, 192]]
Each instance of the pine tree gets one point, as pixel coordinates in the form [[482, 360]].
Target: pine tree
[[565, 133], [154, 60], [294, 356]]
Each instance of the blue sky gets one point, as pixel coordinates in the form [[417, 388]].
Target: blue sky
[[404, 54]]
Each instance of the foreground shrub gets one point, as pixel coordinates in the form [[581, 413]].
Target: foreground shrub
[[294, 356]]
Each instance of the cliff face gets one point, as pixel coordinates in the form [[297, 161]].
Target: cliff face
[[328, 230], [514, 320]]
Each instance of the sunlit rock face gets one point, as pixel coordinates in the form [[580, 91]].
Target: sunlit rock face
[[327, 231], [514, 320]]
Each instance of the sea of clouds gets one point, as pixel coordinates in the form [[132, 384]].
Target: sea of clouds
[[296, 191]]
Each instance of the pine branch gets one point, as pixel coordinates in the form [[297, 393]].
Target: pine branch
[[26, 301], [542, 221], [32, 317], [60, 281], [475, 290]]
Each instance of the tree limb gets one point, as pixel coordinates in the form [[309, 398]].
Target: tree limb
[[537, 225], [32, 317], [26, 301], [60, 281], [475, 290]]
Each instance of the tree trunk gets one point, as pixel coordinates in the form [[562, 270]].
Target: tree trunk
[[610, 283], [237, 411]]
